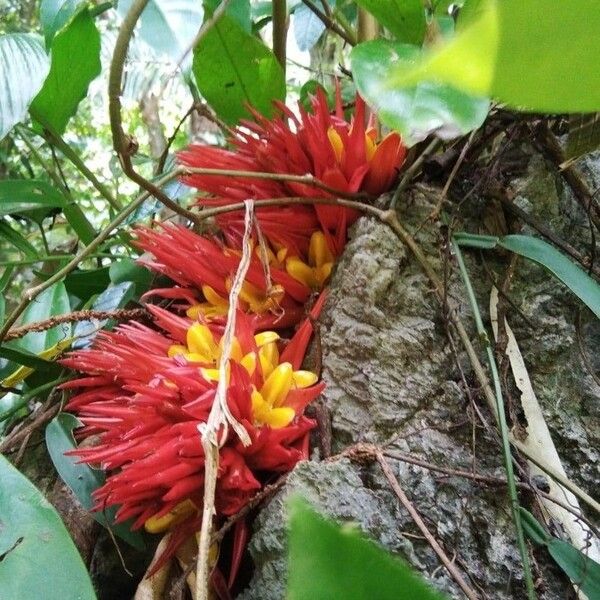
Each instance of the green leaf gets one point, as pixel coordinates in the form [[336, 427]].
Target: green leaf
[[538, 55], [24, 195], [239, 10], [23, 68], [128, 270], [308, 28], [233, 69], [2, 309], [584, 134], [38, 557], [85, 284], [55, 14], [575, 278], [75, 63], [168, 26], [328, 562], [13, 237], [581, 570], [80, 478], [51, 302], [414, 111], [24, 358], [405, 19]]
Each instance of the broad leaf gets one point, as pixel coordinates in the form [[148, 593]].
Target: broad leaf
[[327, 562], [238, 10], [39, 560], [234, 69], [23, 68], [75, 63], [86, 283], [405, 19], [308, 28], [55, 14], [18, 196], [575, 278], [168, 26], [581, 569], [414, 111], [51, 302], [538, 55], [80, 478], [128, 270]]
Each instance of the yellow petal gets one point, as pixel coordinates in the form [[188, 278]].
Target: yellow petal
[[323, 273], [181, 512], [249, 362], [304, 379], [213, 298], [300, 271], [279, 417], [336, 143], [370, 146], [210, 374], [176, 350], [318, 250], [265, 337], [268, 356], [200, 340], [278, 384], [236, 350]]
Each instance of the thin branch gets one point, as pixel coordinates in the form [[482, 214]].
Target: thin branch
[[32, 293], [78, 315], [280, 29], [450, 566]]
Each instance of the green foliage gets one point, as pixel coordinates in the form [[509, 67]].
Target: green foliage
[[415, 111], [75, 63], [234, 69], [55, 14], [405, 19], [328, 562], [23, 68], [38, 557], [581, 569], [81, 479], [577, 280], [537, 55], [168, 26], [20, 196], [15, 238]]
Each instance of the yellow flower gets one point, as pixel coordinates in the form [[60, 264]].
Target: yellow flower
[[320, 263]]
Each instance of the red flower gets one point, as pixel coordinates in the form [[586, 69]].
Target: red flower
[[145, 393], [342, 155]]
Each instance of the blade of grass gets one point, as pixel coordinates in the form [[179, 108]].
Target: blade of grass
[[501, 417]]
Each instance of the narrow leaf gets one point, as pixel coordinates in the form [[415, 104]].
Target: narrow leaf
[[13, 237], [23, 68], [23, 195], [82, 479], [38, 557]]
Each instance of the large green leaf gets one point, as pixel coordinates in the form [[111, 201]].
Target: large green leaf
[[581, 569], [538, 55], [577, 280], [23, 68], [405, 19], [414, 111], [168, 26], [14, 238], [86, 283], [80, 478], [233, 69], [328, 562], [75, 63], [51, 302], [55, 14], [18, 196], [39, 560]]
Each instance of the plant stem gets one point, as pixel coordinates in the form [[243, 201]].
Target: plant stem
[[25, 398], [501, 418], [280, 28]]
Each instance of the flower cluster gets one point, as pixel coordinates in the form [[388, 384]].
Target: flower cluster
[[147, 390]]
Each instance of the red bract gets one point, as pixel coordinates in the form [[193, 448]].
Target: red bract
[[203, 269], [145, 393], [342, 155]]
